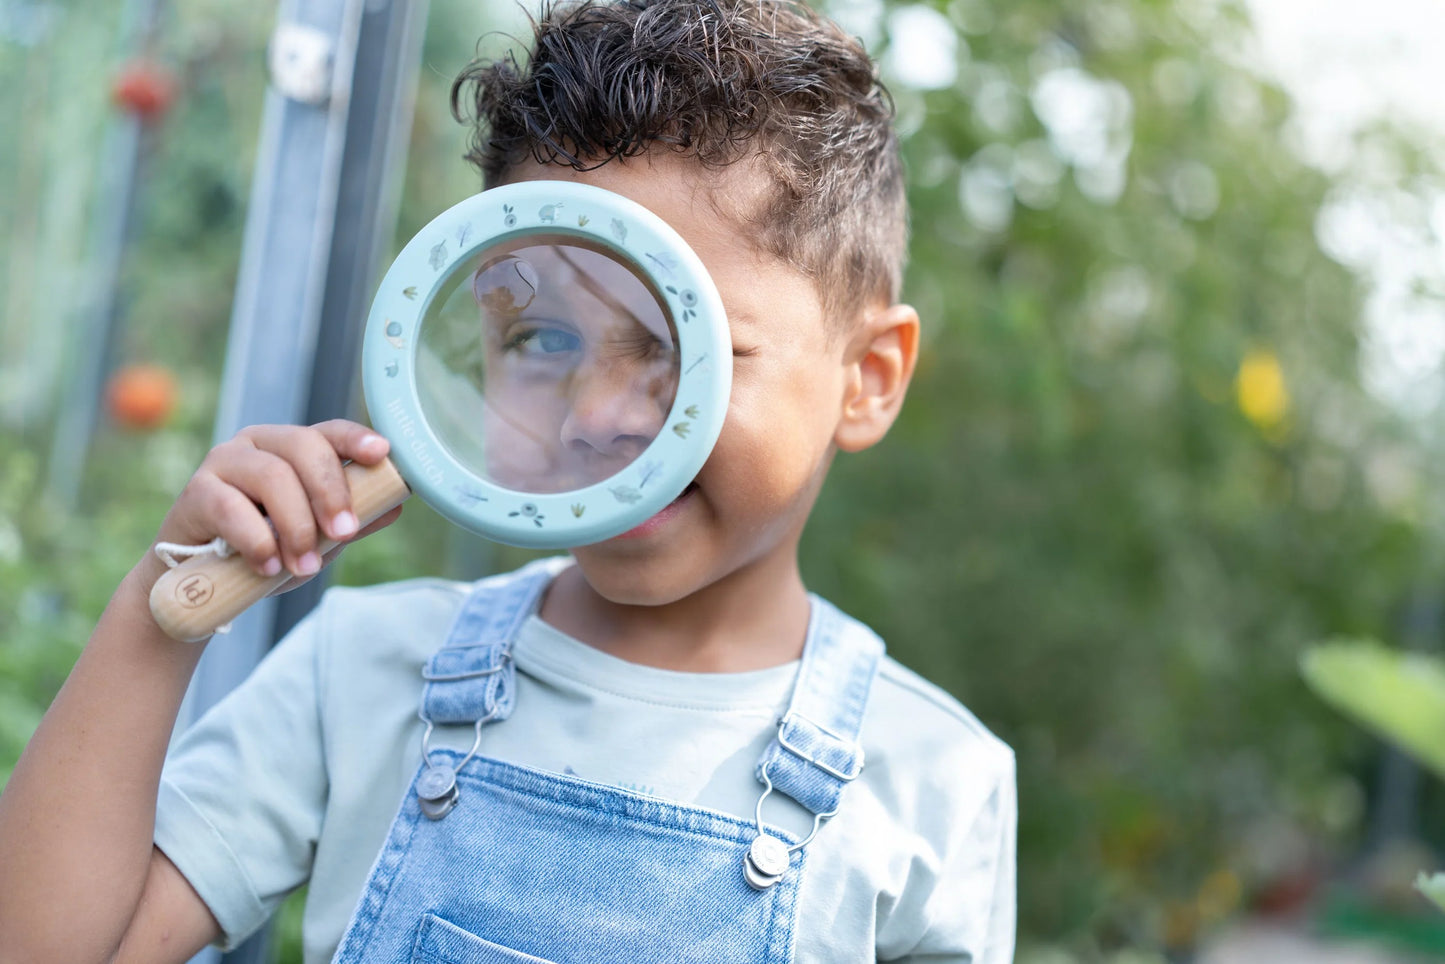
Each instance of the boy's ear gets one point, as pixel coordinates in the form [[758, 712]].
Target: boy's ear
[[879, 363]]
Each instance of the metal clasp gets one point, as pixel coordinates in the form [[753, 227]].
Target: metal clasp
[[803, 755], [468, 674], [439, 795]]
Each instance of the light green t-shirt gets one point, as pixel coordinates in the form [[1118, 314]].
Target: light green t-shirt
[[298, 773]]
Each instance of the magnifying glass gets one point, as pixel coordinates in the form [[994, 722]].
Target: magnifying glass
[[551, 363]]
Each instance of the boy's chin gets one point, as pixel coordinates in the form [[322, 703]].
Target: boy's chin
[[644, 581]]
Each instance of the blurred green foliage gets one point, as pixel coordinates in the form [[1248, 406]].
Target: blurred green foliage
[[1136, 474], [1433, 887], [1077, 528], [1399, 696]]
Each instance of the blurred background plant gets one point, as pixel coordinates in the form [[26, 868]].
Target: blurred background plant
[[1399, 696], [1146, 461]]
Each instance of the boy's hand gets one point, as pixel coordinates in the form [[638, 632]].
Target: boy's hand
[[272, 491]]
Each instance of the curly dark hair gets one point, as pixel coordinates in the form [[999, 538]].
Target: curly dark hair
[[721, 81]]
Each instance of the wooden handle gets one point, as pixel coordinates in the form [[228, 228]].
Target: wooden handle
[[205, 592]]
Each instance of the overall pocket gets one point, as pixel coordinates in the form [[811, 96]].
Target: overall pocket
[[442, 942]]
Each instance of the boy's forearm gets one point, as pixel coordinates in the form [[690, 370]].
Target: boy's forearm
[[78, 814]]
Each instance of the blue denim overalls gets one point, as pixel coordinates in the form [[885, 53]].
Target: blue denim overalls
[[492, 863]]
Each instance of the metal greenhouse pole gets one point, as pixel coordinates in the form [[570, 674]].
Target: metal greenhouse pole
[[323, 202], [89, 354]]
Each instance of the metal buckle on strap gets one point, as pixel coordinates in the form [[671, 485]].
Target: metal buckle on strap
[[800, 753], [502, 663]]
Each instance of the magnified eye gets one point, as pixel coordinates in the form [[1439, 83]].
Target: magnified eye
[[640, 345], [542, 342]]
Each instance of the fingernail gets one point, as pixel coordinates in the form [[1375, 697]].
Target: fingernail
[[372, 441], [344, 524], [271, 566], [308, 565]]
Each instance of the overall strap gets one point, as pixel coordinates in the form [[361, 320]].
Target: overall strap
[[472, 677], [817, 752]]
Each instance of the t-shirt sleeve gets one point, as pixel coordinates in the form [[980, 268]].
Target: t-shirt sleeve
[[989, 879], [243, 791], [966, 913]]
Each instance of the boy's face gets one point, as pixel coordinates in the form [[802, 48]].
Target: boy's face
[[749, 503]]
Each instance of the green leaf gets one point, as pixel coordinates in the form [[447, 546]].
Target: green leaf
[[1400, 696], [1432, 887]]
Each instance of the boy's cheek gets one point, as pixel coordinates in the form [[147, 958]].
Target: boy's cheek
[[765, 461]]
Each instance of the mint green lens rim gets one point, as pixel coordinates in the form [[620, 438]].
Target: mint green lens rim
[[553, 520]]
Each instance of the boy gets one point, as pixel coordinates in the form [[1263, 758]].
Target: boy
[[661, 749]]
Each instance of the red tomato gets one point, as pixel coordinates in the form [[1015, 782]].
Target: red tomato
[[141, 397], [144, 88]]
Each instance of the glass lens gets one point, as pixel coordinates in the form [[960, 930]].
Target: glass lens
[[546, 364]]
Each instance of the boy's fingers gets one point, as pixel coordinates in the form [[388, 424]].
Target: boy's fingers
[[354, 441], [317, 454], [238, 520], [314, 458], [380, 522], [271, 491], [272, 482]]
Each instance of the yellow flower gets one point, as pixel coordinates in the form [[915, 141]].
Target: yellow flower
[[1260, 389]]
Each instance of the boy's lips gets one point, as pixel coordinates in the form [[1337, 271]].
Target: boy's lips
[[662, 517]]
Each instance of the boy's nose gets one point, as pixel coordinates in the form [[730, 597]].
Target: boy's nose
[[616, 409]]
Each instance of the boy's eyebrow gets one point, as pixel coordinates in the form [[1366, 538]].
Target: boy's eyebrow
[[594, 287], [598, 289], [735, 316]]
